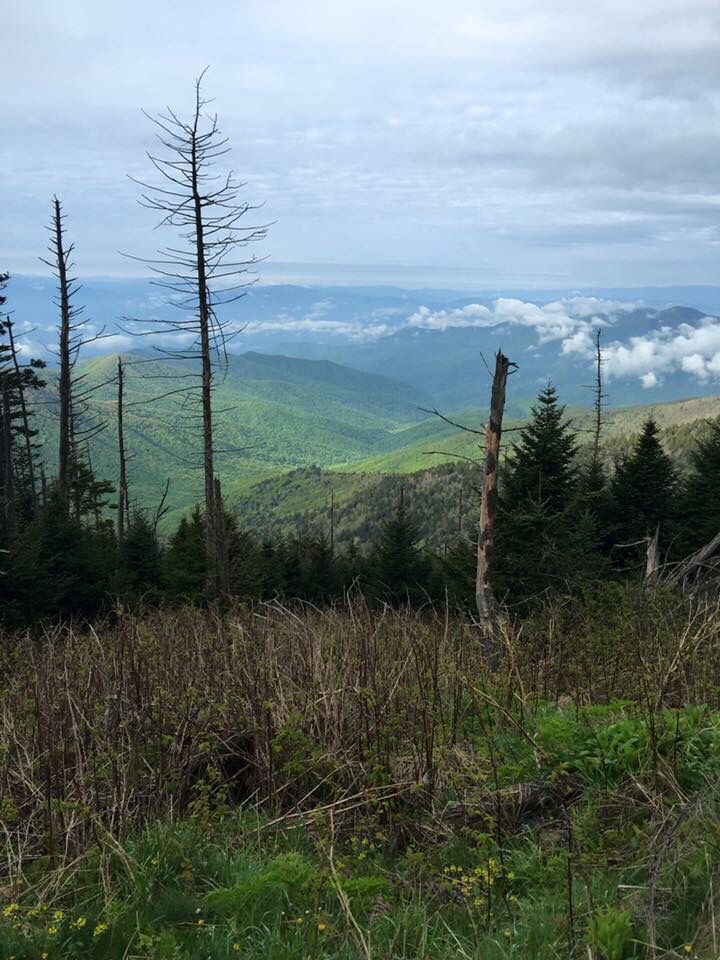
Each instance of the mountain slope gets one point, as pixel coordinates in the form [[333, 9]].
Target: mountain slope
[[272, 413], [443, 496]]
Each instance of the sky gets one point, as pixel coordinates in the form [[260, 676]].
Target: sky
[[496, 143]]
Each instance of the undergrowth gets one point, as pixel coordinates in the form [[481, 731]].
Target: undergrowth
[[293, 784]]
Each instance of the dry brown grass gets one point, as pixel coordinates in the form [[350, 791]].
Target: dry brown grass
[[107, 727]]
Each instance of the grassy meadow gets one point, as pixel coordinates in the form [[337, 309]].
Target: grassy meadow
[[270, 782]]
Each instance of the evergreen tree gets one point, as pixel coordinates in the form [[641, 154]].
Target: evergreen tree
[[18, 449], [700, 498], [184, 566], [140, 569], [57, 568], [546, 538], [321, 578], [400, 569], [246, 562], [643, 493], [542, 468]]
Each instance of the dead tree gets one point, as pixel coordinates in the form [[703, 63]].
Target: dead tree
[[74, 332], [652, 557], [61, 263], [487, 606], [206, 271], [599, 402], [7, 467], [123, 517]]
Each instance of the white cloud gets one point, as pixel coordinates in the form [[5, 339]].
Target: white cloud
[[694, 350], [569, 319]]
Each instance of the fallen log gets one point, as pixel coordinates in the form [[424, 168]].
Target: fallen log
[[694, 563], [511, 807]]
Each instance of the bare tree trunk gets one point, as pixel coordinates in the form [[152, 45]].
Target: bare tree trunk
[[652, 557], [487, 606], [222, 566], [65, 381], [123, 498], [211, 515], [694, 563], [8, 476], [599, 397]]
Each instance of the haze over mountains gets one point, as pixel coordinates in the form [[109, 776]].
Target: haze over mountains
[[660, 343], [342, 378]]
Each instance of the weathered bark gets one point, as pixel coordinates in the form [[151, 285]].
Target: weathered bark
[[65, 379], [652, 557], [695, 562], [487, 606], [123, 498], [7, 473], [212, 547], [512, 807], [599, 396], [221, 581]]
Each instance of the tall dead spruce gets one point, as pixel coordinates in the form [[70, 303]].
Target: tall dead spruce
[[487, 606], [76, 426], [206, 271]]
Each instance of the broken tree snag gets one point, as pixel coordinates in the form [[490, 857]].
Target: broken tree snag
[[487, 606], [652, 557], [123, 518], [695, 564]]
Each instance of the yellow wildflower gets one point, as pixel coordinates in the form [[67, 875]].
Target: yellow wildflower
[[100, 929]]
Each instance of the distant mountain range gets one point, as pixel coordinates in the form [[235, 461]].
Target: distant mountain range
[[661, 343], [342, 378]]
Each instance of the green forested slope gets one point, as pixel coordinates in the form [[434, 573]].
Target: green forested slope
[[290, 431]]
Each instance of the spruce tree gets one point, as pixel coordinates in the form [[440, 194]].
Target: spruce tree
[[400, 568], [546, 537], [643, 493], [140, 571], [542, 467], [700, 498], [184, 565]]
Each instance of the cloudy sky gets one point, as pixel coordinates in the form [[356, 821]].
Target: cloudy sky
[[497, 142]]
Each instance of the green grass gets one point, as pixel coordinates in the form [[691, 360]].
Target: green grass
[[221, 884]]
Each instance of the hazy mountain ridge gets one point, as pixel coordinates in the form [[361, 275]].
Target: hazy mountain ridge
[[434, 340]]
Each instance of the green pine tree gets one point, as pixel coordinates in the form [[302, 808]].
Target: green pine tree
[[184, 568], [643, 495], [546, 538], [400, 568], [700, 497], [140, 569]]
